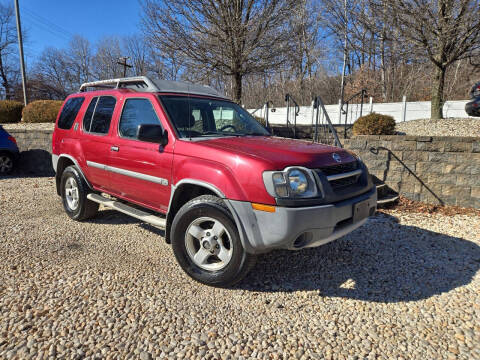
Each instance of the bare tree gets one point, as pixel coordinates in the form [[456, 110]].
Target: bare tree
[[80, 58], [51, 77], [444, 31], [105, 61], [306, 52], [8, 66], [230, 37], [136, 49]]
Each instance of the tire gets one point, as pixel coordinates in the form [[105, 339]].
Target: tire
[[75, 202], [224, 262], [7, 163]]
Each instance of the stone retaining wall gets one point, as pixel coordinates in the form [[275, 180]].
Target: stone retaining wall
[[35, 157], [439, 170], [442, 170]]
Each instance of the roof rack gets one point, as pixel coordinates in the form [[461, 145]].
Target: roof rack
[[145, 84]]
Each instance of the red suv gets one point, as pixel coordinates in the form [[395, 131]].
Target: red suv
[[185, 158]]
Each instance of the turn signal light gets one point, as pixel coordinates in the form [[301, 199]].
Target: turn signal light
[[263, 207], [12, 139]]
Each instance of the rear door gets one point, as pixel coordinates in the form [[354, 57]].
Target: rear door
[[141, 171], [97, 139]]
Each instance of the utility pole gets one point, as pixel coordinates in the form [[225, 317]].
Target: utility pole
[[20, 47], [124, 64], [342, 90]]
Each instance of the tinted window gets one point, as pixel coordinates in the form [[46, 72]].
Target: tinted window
[[102, 115], [136, 112], [87, 118], [69, 112]]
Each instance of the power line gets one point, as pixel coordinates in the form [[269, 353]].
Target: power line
[[46, 27], [48, 22]]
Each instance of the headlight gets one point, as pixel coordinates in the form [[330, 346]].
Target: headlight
[[294, 182], [298, 182]]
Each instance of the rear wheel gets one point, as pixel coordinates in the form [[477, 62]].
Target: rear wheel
[[206, 243], [6, 163], [74, 191]]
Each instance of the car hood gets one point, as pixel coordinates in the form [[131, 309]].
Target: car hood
[[280, 152]]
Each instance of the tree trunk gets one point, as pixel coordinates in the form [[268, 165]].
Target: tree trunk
[[437, 93], [4, 80], [237, 88]]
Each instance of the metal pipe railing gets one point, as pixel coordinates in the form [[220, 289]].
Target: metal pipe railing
[[289, 99], [318, 104]]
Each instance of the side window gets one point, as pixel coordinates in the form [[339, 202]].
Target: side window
[[69, 112], [99, 115], [87, 118], [136, 112]]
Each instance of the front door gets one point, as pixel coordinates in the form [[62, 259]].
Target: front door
[[140, 171]]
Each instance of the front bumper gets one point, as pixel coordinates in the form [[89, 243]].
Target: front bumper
[[298, 228]]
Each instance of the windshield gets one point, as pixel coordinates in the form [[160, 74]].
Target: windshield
[[197, 117]]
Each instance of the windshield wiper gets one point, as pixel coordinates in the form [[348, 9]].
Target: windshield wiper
[[220, 133], [256, 134]]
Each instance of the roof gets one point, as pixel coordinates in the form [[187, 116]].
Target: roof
[[145, 84]]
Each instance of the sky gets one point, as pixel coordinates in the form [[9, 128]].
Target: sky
[[54, 22]]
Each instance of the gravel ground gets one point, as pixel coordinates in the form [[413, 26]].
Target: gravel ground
[[28, 126], [444, 127], [402, 286]]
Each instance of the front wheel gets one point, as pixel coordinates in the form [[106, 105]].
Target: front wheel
[[206, 243]]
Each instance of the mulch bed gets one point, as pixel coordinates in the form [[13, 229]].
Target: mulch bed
[[407, 205]]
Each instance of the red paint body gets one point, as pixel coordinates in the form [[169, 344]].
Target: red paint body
[[234, 165]]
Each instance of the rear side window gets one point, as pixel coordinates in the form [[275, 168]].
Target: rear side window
[[69, 112], [136, 112], [99, 115], [87, 118]]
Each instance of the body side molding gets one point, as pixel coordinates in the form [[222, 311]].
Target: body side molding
[[134, 174]]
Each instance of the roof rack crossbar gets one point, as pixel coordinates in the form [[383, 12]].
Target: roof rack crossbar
[[145, 84], [141, 82]]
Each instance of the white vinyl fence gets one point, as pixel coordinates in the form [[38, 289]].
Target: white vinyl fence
[[400, 111]]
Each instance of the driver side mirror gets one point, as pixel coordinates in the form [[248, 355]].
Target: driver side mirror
[[153, 134]]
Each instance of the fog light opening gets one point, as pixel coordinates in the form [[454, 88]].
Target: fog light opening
[[303, 240]]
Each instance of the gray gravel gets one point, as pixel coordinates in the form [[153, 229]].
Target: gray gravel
[[402, 286], [444, 127], [28, 126]]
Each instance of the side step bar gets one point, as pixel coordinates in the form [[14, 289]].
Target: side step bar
[[133, 212]]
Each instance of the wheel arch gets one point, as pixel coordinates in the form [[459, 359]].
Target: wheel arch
[[184, 191], [7, 151], [187, 189], [61, 162]]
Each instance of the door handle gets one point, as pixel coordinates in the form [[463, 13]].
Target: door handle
[[114, 148]]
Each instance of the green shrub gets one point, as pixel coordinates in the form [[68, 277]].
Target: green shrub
[[42, 111], [10, 111], [374, 124]]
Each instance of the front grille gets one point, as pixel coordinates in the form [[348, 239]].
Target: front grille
[[343, 183], [340, 184], [339, 168]]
